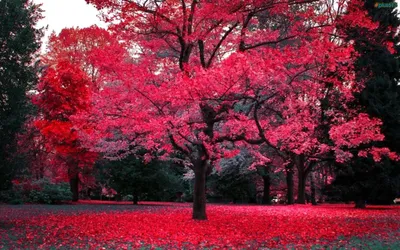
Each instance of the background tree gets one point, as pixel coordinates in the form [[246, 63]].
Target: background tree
[[378, 66], [154, 181], [290, 119], [74, 66], [19, 42], [63, 91], [234, 181]]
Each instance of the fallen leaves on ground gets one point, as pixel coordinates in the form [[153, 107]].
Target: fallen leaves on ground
[[171, 226]]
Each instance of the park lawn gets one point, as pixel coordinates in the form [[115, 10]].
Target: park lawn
[[102, 225]]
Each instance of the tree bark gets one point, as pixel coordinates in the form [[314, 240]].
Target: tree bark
[[74, 185], [301, 192], [199, 194], [313, 193], [135, 199], [267, 190], [289, 184], [303, 170], [360, 203]]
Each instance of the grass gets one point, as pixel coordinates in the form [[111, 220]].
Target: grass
[[109, 225]]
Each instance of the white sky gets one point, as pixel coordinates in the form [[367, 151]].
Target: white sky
[[59, 14]]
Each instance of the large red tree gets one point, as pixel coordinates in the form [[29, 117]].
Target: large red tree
[[206, 74], [63, 92], [73, 73]]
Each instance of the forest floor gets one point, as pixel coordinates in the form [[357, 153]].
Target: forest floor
[[156, 225]]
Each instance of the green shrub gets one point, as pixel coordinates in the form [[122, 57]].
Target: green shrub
[[41, 191], [17, 201], [8, 196], [51, 193], [128, 197]]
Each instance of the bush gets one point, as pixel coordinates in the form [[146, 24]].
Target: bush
[[16, 201], [42, 191], [11, 197], [128, 197]]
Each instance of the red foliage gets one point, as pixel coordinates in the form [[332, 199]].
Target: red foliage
[[234, 227], [176, 94], [63, 92], [204, 75], [72, 75]]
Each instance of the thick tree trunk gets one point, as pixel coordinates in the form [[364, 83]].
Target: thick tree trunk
[[290, 184], [301, 189], [199, 194], [74, 185], [267, 190], [313, 191], [360, 203], [303, 170]]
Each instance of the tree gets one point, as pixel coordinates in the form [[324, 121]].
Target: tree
[[366, 182], [377, 65], [62, 92], [32, 146], [197, 62], [19, 42], [234, 180], [312, 137], [269, 172], [74, 72], [154, 181]]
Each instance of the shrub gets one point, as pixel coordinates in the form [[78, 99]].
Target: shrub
[[42, 191], [9, 196], [16, 201], [128, 197]]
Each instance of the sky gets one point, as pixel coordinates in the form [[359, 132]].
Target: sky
[[61, 14]]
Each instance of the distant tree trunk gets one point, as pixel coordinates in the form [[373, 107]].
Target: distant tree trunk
[[303, 170], [89, 193], [360, 203], [135, 199], [41, 172], [74, 185], [199, 194], [289, 184], [267, 190], [323, 182], [313, 193]]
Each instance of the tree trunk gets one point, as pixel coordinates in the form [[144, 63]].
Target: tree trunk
[[74, 185], [360, 203], [302, 172], [301, 192], [289, 184], [199, 194], [41, 172], [135, 199], [313, 193], [267, 190], [89, 193]]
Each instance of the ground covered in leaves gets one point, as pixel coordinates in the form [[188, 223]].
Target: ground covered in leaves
[[100, 225]]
